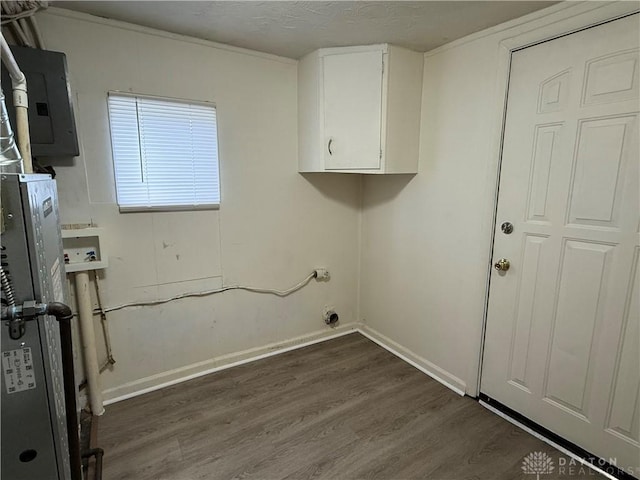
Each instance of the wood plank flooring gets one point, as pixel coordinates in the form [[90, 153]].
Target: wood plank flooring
[[342, 409]]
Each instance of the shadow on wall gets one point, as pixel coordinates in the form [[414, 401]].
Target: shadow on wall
[[383, 189], [54, 162], [339, 187]]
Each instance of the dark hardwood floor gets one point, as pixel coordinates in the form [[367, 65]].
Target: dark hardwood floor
[[342, 409]]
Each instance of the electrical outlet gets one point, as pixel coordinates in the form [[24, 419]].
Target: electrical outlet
[[322, 274]]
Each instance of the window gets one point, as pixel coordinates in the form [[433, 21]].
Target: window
[[165, 153]]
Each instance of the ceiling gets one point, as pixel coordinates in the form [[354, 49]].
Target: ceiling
[[293, 29]]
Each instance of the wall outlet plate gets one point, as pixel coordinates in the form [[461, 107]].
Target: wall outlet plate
[[322, 274]]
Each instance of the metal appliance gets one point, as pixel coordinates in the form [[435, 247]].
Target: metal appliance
[[38, 407]]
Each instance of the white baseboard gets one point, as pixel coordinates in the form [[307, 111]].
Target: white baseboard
[[189, 372], [425, 366], [195, 370], [183, 374]]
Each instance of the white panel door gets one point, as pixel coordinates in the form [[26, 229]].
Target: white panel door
[[561, 344], [352, 104]]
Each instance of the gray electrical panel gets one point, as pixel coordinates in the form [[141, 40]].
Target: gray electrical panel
[[51, 121], [34, 430]]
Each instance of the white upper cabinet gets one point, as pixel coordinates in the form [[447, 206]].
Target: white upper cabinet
[[359, 110], [352, 107]]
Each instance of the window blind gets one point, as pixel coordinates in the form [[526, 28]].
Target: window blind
[[165, 153]]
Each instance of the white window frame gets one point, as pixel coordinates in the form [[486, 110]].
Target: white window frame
[[123, 205]]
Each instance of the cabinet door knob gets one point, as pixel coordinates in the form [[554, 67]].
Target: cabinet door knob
[[329, 146]]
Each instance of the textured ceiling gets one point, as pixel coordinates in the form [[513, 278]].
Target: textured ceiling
[[293, 29]]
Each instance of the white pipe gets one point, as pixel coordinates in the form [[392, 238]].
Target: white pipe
[[10, 62], [36, 32], [22, 132], [21, 103], [85, 314], [17, 31], [25, 28]]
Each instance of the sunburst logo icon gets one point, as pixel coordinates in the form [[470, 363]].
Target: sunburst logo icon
[[537, 463]]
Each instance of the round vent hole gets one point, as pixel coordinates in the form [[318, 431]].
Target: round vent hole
[[28, 455]]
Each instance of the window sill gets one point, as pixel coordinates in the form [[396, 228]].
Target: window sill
[[168, 208]]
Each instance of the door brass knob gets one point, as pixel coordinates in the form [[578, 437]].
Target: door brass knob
[[502, 265]]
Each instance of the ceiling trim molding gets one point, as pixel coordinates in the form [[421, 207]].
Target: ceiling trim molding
[[86, 17], [554, 13]]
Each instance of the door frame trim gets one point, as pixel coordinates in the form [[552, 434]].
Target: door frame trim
[[570, 20]]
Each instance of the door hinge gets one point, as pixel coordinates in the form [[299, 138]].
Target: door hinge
[[380, 154]]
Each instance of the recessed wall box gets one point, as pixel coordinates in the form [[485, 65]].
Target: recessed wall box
[[83, 249]]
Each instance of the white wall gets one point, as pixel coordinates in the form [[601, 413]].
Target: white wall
[[422, 241], [426, 239], [273, 228]]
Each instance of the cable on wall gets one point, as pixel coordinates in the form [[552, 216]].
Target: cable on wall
[[279, 293], [318, 273]]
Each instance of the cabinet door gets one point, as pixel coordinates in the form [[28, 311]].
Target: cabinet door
[[352, 105]]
